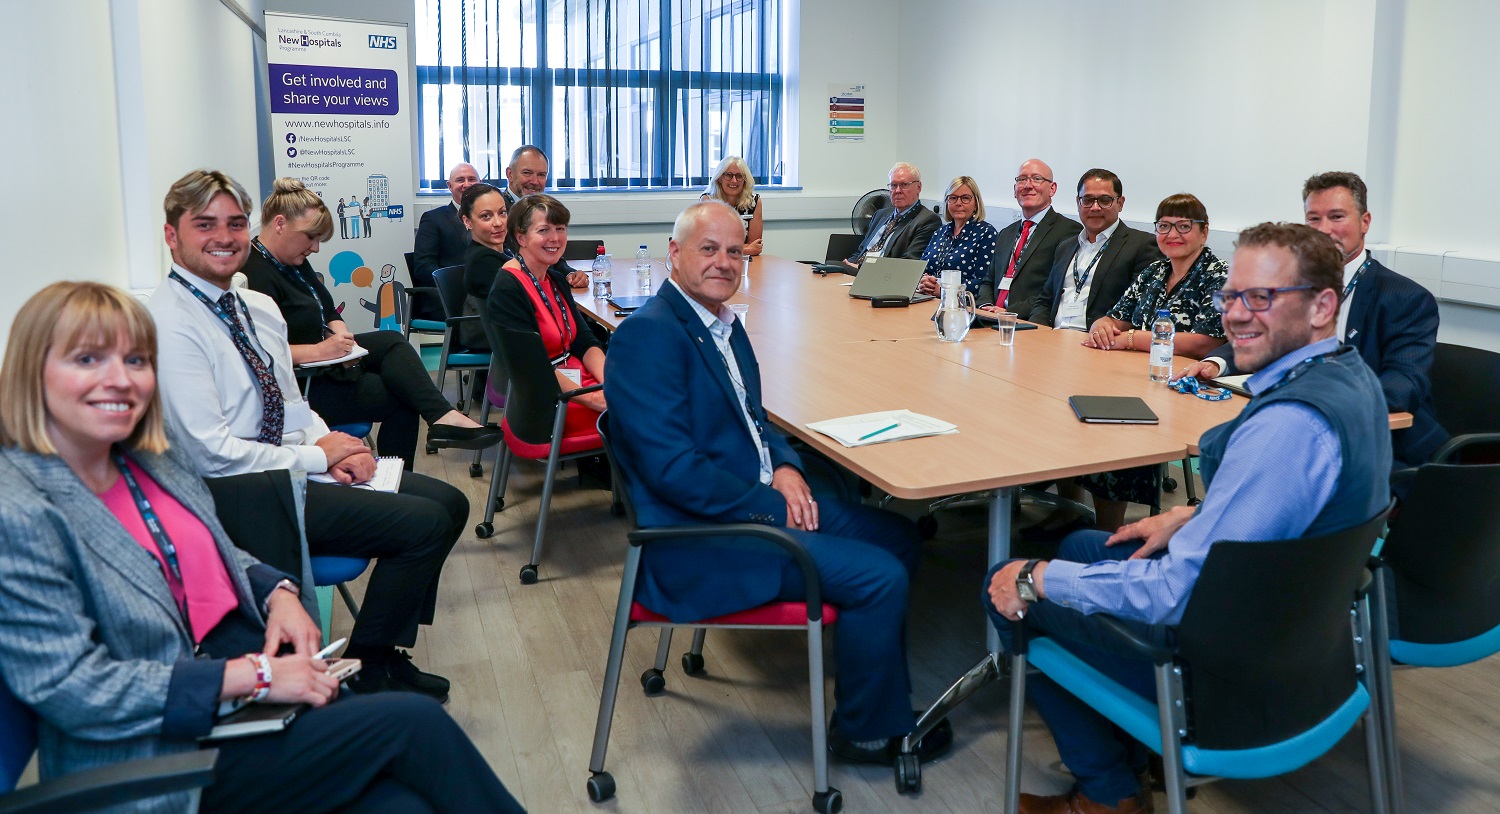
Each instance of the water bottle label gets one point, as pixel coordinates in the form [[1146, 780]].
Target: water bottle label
[[1161, 355]]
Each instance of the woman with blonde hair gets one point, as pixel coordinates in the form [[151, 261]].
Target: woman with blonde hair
[[129, 621], [733, 184], [966, 243], [390, 384]]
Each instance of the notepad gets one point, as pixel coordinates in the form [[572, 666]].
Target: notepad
[[1111, 410], [348, 357], [1234, 384], [388, 471], [628, 303], [254, 719], [879, 428]]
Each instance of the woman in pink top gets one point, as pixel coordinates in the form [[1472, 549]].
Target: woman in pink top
[[127, 616]]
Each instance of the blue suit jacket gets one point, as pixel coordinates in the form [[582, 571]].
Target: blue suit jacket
[[688, 457], [1393, 323]]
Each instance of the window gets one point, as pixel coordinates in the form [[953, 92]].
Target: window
[[618, 93]]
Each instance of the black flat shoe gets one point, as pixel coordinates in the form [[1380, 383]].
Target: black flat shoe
[[934, 744], [444, 435]]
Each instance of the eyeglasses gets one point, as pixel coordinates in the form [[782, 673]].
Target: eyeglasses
[[1034, 180], [1104, 201], [1182, 226], [963, 199], [733, 175], [900, 186], [1254, 299]]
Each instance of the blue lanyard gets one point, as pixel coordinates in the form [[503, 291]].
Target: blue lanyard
[[1078, 282], [1354, 281], [171, 568], [1191, 386], [227, 318], [558, 311], [296, 277]]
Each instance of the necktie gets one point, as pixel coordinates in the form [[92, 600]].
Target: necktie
[[1010, 271], [272, 404], [885, 233]]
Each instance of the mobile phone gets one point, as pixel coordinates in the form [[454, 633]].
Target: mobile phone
[[344, 668]]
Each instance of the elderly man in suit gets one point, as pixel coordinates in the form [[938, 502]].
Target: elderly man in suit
[[1389, 319], [695, 446], [441, 240], [1091, 273], [904, 228], [1025, 248]]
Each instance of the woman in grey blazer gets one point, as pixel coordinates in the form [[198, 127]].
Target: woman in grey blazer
[[128, 618]]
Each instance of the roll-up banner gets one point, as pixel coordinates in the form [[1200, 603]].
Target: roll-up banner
[[339, 107]]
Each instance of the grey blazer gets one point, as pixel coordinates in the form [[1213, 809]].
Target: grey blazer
[[90, 637]]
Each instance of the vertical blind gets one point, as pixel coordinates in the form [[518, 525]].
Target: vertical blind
[[619, 93]]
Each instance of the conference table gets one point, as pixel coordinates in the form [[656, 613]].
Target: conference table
[[825, 355]]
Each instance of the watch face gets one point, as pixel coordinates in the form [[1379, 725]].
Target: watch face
[[1026, 590]]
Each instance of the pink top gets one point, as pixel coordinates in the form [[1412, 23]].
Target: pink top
[[210, 594]]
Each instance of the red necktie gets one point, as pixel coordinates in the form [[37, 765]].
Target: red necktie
[[1010, 271]]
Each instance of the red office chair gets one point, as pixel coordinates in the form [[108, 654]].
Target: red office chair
[[535, 427], [808, 617]]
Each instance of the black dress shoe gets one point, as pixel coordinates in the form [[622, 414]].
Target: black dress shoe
[[935, 743], [405, 672], [394, 675], [444, 435]]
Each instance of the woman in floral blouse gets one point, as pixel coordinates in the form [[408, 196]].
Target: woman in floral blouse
[[1183, 284], [966, 244]]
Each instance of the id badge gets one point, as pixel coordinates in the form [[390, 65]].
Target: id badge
[[1072, 310], [1005, 283], [298, 415], [573, 375]]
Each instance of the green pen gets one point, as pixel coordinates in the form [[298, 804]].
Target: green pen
[[868, 436]]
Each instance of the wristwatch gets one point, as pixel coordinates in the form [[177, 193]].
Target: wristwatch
[[1025, 586], [284, 585]]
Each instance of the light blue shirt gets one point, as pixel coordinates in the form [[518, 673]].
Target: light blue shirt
[[1279, 470]]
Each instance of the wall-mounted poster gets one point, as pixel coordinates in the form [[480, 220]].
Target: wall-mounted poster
[[846, 112]]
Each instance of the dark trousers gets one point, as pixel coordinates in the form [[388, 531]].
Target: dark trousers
[[390, 752], [409, 534], [394, 390], [866, 558], [1104, 759]]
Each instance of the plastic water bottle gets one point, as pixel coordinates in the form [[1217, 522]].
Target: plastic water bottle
[[601, 276], [1162, 331], [643, 269]]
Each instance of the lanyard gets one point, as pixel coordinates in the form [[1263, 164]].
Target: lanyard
[[1354, 281], [950, 242], [1079, 281], [296, 277], [558, 312], [171, 568], [1190, 385], [890, 226], [1163, 296], [225, 317]]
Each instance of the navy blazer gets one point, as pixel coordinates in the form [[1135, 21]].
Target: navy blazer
[[688, 457], [441, 242], [1393, 323], [1035, 263], [1129, 252], [908, 240]]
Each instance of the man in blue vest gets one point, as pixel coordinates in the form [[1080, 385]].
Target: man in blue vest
[[1307, 456]]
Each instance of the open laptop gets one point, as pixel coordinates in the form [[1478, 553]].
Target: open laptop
[[889, 277]]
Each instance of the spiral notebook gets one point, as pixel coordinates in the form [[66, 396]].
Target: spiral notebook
[[387, 478]]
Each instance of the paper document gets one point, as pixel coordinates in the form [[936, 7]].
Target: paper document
[[878, 428], [348, 357], [387, 476]]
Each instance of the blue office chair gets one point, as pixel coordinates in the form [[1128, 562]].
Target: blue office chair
[[334, 572], [1440, 566], [86, 790], [1264, 677], [450, 289]]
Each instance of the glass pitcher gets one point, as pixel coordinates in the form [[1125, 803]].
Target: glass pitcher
[[955, 308]]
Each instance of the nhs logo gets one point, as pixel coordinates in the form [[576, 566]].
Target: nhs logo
[[380, 41]]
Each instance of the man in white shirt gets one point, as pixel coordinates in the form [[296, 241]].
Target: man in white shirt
[[1024, 249], [231, 397]]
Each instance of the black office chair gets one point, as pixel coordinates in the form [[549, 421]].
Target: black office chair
[[810, 616], [1265, 676], [424, 301], [1441, 559], [582, 249], [450, 288], [1465, 389]]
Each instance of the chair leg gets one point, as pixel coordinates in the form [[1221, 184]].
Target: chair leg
[[547, 483], [348, 599], [1380, 664], [819, 712], [325, 611], [1187, 480], [496, 501], [1014, 733], [443, 360], [600, 785], [1375, 756], [1173, 722], [692, 660], [663, 648]]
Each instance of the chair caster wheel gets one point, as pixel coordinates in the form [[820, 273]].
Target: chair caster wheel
[[908, 773], [460, 407], [828, 802], [1169, 484], [476, 470], [484, 530], [1194, 502], [528, 574], [653, 682], [927, 525], [431, 450], [692, 663], [601, 787]]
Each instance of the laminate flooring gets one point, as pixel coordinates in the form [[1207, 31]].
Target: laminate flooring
[[527, 664]]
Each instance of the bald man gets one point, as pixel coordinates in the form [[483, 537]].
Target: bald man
[[441, 240], [1024, 249]]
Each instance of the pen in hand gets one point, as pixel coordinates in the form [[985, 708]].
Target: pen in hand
[[328, 651]]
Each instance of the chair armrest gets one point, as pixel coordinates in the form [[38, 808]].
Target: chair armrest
[[426, 290], [452, 321], [1128, 637], [1403, 475], [1458, 442], [770, 534], [115, 784], [572, 394]]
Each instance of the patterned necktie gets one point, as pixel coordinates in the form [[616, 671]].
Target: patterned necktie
[[272, 403], [885, 233], [1010, 271]]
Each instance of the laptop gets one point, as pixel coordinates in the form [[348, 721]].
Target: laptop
[[840, 248], [1112, 410], [889, 277]]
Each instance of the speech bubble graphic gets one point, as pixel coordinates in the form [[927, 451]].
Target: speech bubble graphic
[[341, 267]]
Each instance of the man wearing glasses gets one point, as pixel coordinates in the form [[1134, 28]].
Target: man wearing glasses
[[904, 228], [1306, 457], [1024, 249], [1391, 320], [1090, 274]]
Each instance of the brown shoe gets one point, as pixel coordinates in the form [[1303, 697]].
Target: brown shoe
[[1076, 802]]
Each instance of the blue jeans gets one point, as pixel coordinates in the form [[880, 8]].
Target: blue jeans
[[1104, 759]]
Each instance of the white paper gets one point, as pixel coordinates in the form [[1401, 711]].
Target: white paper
[[850, 431], [348, 357]]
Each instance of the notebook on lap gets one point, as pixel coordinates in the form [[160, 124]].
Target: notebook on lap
[[889, 277]]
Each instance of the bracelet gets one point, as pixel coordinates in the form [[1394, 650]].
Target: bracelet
[[1130, 339], [262, 677]]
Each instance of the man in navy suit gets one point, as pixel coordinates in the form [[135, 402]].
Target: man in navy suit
[[904, 228], [695, 446], [1391, 320], [442, 240]]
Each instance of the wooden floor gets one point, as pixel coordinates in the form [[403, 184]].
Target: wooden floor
[[527, 663]]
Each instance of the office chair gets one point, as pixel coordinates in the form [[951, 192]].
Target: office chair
[[1465, 387], [581, 249], [1252, 688], [450, 289], [425, 295], [809, 617]]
